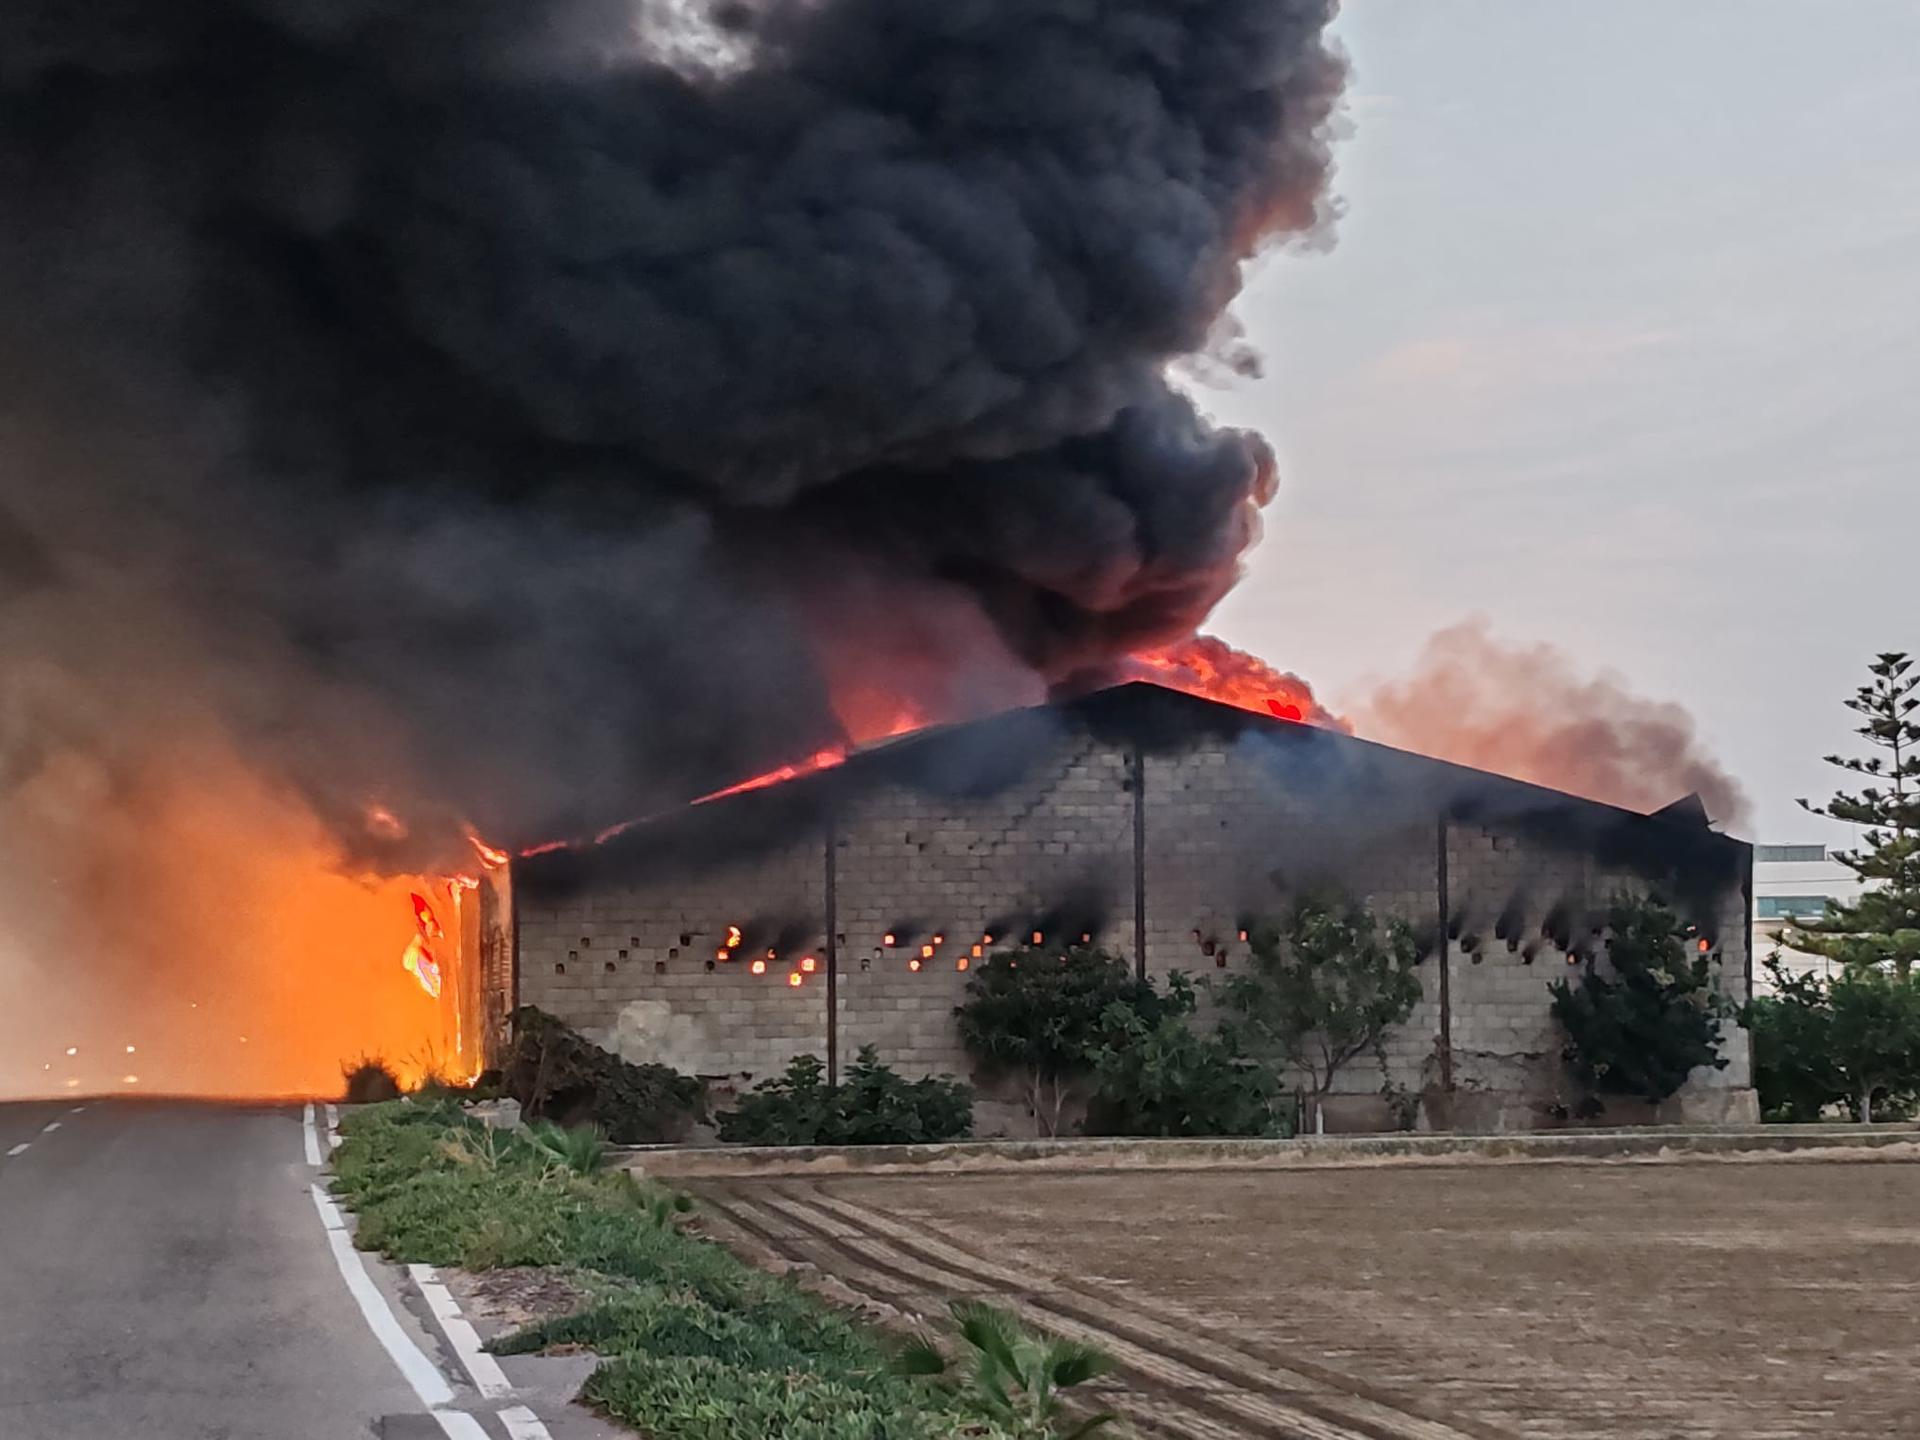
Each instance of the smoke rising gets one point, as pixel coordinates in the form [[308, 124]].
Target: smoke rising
[[515, 411], [1526, 712]]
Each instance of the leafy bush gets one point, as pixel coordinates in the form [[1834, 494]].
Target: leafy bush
[[1325, 989], [370, 1082], [1016, 1376], [1040, 1014], [1852, 1040], [558, 1074], [1795, 1070], [1161, 1077], [1642, 1030], [1876, 1041], [872, 1106]]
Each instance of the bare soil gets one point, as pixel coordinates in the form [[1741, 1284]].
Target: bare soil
[[1755, 1300]]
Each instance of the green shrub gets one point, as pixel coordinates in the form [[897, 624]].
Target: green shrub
[[1643, 1029], [557, 1074], [872, 1106], [760, 1334], [1039, 1014], [1162, 1077], [1795, 1071], [704, 1398]]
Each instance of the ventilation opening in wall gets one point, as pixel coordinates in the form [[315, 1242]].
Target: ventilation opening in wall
[[659, 967]]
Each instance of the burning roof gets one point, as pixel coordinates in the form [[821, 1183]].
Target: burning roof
[[1367, 783]]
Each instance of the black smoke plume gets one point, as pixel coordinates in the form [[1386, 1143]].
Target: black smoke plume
[[519, 411]]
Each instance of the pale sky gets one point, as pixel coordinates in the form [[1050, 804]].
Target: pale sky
[[1618, 346]]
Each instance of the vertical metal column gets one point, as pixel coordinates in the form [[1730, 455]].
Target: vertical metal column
[[1137, 776], [833, 955], [1446, 963]]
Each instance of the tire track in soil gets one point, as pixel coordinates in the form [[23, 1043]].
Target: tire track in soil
[[1212, 1390]]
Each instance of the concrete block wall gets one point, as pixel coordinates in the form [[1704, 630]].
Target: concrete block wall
[[1229, 842], [1504, 1038], [1052, 849], [634, 966], [1229, 835]]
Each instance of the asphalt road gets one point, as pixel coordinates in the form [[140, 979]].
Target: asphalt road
[[164, 1275]]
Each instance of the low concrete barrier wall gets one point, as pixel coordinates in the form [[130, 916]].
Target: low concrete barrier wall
[[1838, 1142]]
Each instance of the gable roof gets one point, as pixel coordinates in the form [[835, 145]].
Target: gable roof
[[971, 758]]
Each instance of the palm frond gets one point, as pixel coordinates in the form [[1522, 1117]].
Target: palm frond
[[991, 1331], [1069, 1362], [919, 1358]]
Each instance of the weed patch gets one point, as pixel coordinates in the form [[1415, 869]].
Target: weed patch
[[697, 1345]]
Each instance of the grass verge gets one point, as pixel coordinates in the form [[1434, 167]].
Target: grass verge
[[697, 1345]]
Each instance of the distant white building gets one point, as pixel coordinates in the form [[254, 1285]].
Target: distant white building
[[1792, 883]]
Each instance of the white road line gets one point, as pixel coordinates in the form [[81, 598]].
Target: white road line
[[309, 1137], [334, 1136], [421, 1373], [523, 1424], [488, 1378], [458, 1425], [76, 1110], [50, 1127], [19, 1149]]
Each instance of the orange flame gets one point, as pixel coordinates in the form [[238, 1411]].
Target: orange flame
[[418, 961], [819, 760], [1209, 667], [490, 857]]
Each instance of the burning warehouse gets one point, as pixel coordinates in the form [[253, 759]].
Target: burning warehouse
[[436, 418], [844, 907]]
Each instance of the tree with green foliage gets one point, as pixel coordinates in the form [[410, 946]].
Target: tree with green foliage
[[1163, 1077], [1324, 989], [1852, 1039], [1876, 1037], [1794, 1071], [1639, 1027], [1881, 929], [1040, 1013]]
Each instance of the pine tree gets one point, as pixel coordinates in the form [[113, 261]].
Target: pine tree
[[1881, 929]]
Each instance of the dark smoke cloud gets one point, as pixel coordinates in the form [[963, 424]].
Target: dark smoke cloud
[[511, 409]]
